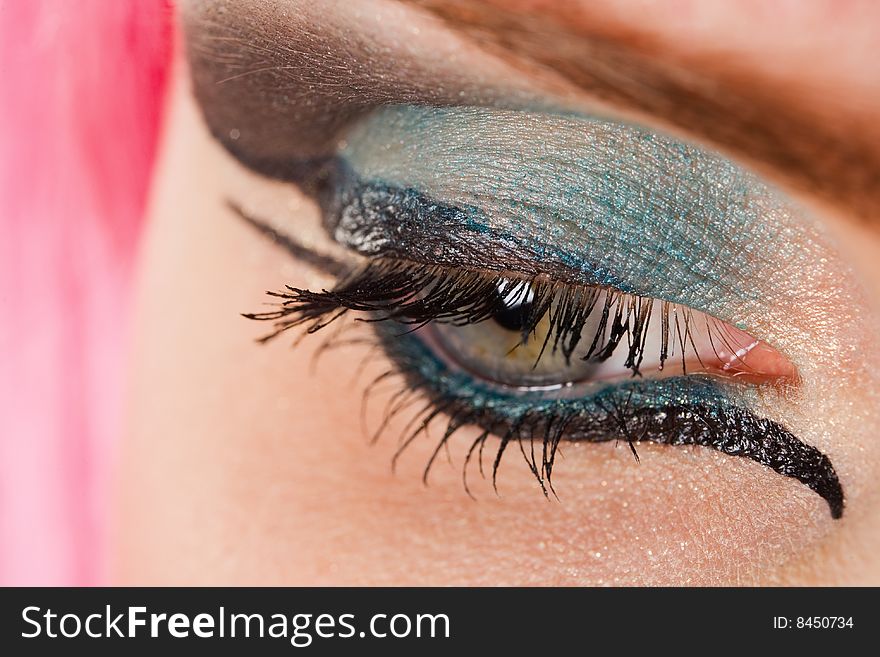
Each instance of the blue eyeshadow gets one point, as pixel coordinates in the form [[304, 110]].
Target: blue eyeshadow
[[611, 203]]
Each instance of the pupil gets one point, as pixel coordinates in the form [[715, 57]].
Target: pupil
[[512, 318], [517, 307]]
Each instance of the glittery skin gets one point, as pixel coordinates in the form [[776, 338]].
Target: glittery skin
[[681, 410], [613, 203]]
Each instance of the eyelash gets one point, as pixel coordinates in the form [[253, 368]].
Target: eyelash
[[679, 410], [411, 293]]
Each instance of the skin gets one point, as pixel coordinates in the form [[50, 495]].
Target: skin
[[242, 465]]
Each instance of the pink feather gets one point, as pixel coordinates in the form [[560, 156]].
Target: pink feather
[[80, 112]]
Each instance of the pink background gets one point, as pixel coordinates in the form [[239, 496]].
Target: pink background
[[80, 109]]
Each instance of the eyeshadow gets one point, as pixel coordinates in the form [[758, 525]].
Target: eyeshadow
[[608, 203]]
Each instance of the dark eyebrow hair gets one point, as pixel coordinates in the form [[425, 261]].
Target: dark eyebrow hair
[[749, 116]]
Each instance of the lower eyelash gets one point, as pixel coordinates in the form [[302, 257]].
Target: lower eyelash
[[691, 410]]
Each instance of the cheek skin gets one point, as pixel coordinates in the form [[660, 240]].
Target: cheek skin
[[242, 467]]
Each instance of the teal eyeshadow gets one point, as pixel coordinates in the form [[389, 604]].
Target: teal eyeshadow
[[613, 203], [590, 399]]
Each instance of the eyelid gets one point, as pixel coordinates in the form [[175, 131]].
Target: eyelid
[[754, 267], [581, 199]]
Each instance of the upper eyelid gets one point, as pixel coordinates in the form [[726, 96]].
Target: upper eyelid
[[774, 298], [619, 224]]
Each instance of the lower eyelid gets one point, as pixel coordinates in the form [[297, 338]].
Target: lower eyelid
[[691, 410]]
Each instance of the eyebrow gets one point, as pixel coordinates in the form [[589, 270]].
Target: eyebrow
[[748, 116]]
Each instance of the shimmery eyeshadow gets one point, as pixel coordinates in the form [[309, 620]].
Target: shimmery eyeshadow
[[613, 203]]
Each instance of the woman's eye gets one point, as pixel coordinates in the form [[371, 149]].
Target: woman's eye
[[549, 277], [519, 344], [620, 263], [451, 334]]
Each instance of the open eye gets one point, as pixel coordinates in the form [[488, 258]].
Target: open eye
[[533, 343], [539, 277], [484, 333]]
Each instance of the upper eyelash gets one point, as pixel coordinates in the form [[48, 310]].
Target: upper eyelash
[[413, 293]]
